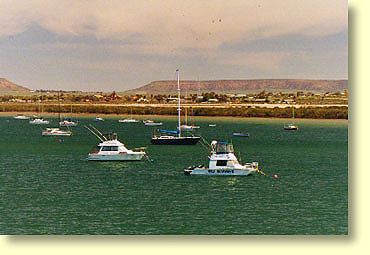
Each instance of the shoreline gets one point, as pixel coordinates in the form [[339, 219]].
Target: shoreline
[[144, 117], [225, 110]]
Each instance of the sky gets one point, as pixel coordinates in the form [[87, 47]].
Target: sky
[[118, 45]]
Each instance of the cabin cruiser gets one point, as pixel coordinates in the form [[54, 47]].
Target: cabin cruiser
[[39, 121], [99, 118], [56, 132], [152, 123], [110, 149], [223, 161], [21, 117], [113, 150], [67, 123]]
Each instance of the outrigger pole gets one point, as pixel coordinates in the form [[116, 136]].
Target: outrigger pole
[[98, 132], [97, 136]]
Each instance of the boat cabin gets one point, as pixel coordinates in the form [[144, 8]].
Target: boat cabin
[[222, 156]]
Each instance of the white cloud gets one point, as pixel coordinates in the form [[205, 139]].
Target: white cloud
[[177, 24]]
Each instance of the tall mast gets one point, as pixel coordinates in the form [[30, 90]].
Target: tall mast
[[178, 104], [59, 108]]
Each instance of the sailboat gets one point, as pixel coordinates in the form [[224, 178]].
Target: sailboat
[[39, 120], [56, 131], [128, 120], [187, 127], [174, 137], [291, 126], [67, 122]]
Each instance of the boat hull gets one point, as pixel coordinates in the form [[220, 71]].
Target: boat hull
[[175, 141], [240, 135], [56, 134], [153, 124], [40, 123], [219, 172], [68, 124], [291, 128], [116, 157]]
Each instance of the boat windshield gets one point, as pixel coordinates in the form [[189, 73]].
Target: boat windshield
[[222, 148], [110, 148]]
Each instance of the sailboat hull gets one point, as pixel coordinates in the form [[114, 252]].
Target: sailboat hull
[[192, 140]]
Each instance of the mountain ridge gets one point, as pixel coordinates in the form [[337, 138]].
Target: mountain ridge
[[230, 86], [8, 86]]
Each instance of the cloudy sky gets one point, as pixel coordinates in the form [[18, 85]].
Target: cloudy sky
[[117, 45]]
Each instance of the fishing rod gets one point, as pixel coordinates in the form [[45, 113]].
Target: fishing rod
[[98, 132], [94, 133]]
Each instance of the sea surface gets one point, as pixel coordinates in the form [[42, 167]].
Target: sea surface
[[48, 187]]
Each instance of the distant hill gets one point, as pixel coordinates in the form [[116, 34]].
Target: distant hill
[[8, 86], [240, 86]]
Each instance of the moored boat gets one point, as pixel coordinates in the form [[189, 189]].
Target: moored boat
[[110, 149], [21, 117], [152, 123], [222, 162], [56, 132], [188, 127], [39, 121], [67, 123], [239, 134], [175, 137], [290, 127], [128, 120]]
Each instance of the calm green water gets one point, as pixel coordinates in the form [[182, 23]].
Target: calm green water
[[48, 187]]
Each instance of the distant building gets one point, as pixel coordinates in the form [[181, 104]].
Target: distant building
[[142, 100]]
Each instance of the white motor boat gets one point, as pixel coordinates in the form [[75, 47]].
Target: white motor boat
[[290, 127], [113, 150], [152, 123], [21, 117], [67, 123], [56, 132], [188, 127], [39, 121], [223, 162], [99, 119], [128, 121]]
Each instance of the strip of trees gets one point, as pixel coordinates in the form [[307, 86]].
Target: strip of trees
[[333, 112]]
